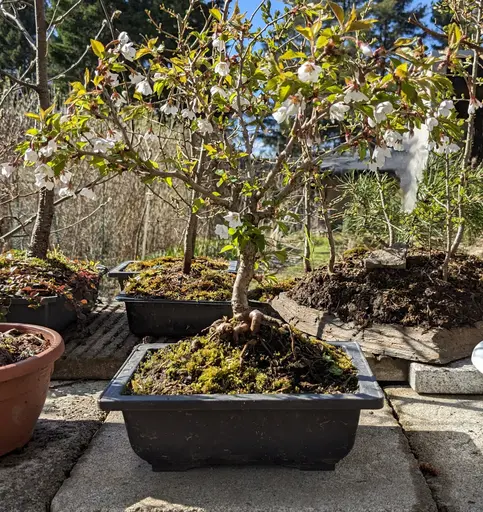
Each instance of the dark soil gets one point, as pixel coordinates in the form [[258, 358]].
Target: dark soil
[[32, 279], [416, 296], [276, 360], [16, 346]]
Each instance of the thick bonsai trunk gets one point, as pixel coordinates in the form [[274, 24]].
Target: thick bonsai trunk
[[307, 228], [190, 238], [39, 243], [246, 270]]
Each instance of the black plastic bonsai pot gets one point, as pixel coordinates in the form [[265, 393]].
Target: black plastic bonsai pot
[[53, 312], [179, 432], [152, 316]]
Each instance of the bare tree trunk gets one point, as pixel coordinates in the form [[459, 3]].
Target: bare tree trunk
[[190, 237], [307, 227], [39, 243], [470, 136], [390, 229], [192, 227], [448, 221], [330, 237], [246, 270]]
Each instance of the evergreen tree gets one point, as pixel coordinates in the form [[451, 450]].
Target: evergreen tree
[[15, 53]]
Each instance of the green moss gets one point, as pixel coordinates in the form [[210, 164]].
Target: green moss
[[277, 360], [164, 278], [267, 292], [355, 253]]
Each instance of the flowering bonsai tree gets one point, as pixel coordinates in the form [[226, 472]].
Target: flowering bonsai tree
[[308, 68]]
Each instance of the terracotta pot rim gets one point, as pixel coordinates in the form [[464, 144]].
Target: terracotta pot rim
[[37, 362]]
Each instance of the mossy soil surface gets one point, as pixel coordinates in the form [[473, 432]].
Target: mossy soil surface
[[32, 278], [416, 296], [275, 360], [16, 346], [209, 280]]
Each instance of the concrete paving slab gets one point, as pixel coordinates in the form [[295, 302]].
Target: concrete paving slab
[[446, 434], [98, 347], [30, 477], [458, 378], [380, 475]]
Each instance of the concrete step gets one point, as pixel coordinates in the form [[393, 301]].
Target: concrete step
[[457, 378]]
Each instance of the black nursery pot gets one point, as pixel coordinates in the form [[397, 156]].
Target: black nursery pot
[[152, 316], [179, 432], [54, 312]]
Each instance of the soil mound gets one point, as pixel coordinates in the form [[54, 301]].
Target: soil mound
[[416, 296]]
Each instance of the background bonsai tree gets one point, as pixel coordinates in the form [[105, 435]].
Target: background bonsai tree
[[224, 84]]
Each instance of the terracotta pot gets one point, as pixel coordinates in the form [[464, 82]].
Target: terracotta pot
[[23, 389]]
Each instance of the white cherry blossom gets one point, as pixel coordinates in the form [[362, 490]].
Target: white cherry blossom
[[65, 192], [382, 110], [6, 170], [292, 106], [216, 89], [473, 106], [309, 72], [186, 113], [87, 193], [135, 78], [118, 99], [366, 50], [219, 44], [445, 108], [222, 68], [65, 177], [112, 79], [393, 140], [243, 102], [337, 111], [221, 230], [31, 156], [353, 95], [128, 51], [431, 122], [123, 38], [48, 150], [144, 88], [169, 109], [204, 126], [233, 219]]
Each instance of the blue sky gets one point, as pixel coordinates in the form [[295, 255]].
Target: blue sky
[[249, 6]]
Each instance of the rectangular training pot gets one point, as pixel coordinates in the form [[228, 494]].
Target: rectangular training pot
[[54, 312], [179, 432], [121, 274], [152, 316]]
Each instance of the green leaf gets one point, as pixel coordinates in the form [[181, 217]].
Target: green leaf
[[32, 116], [454, 34], [169, 181], [97, 48], [338, 11], [360, 25], [291, 54], [284, 92], [404, 41], [216, 14], [402, 71], [227, 248], [305, 31]]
